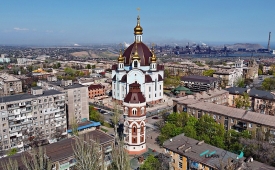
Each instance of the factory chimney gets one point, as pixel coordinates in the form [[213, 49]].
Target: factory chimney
[[268, 45]]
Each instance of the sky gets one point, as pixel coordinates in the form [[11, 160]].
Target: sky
[[84, 22]]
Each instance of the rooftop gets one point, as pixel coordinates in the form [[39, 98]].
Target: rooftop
[[191, 148], [196, 78], [25, 96], [7, 77], [58, 83], [197, 151]]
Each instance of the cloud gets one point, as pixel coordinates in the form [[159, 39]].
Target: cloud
[[20, 29]]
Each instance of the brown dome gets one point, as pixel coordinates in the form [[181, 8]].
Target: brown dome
[[143, 52]]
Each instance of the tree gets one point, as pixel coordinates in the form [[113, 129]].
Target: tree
[[268, 84], [168, 131], [87, 155], [88, 66], [115, 118], [179, 119], [151, 163], [12, 151], [240, 82], [93, 66], [95, 115], [260, 72], [120, 157], [74, 126], [37, 160], [243, 101], [34, 84], [208, 72], [10, 165]]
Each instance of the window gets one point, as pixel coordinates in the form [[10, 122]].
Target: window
[[180, 164], [214, 116], [250, 125], [160, 87], [2, 107], [134, 111], [232, 120], [180, 157], [149, 89], [149, 96], [135, 63], [3, 119]]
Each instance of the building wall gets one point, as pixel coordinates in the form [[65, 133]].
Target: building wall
[[45, 115], [96, 92], [10, 87]]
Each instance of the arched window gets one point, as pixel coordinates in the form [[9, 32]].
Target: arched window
[[134, 129], [134, 111], [135, 63]]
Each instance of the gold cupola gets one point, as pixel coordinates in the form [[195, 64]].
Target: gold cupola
[[138, 29], [120, 58], [153, 58], [136, 56]]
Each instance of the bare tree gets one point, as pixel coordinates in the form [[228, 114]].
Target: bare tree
[[87, 155], [37, 160], [120, 157], [10, 165], [115, 118], [74, 127]]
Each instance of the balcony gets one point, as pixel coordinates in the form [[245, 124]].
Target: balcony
[[26, 111], [240, 126]]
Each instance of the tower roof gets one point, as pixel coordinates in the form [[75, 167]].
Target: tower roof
[[134, 95], [138, 29], [142, 50]]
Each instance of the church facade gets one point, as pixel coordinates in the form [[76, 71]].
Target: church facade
[[138, 64]]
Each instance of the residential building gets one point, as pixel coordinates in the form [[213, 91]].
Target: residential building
[[200, 83], [188, 153], [266, 68], [76, 98], [227, 77], [96, 90], [134, 128], [251, 69], [9, 85], [27, 118], [61, 154], [261, 101], [98, 70], [138, 63], [230, 118]]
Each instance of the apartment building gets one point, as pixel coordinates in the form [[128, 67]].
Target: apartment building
[[96, 90], [261, 101], [188, 153], [200, 83], [76, 98], [32, 119], [230, 118], [9, 85]]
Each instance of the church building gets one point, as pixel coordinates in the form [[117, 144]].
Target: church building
[[138, 64]]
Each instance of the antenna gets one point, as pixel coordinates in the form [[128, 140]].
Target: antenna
[[268, 45]]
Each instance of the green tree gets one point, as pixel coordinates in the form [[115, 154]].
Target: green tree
[[93, 66], [179, 119], [12, 151], [34, 84], [95, 115], [70, 71], [208, 72], [268, 84], [209, 131], [243, 101], [88, 66], [151, 163], [240, 82], [58, 65], [169, 130]]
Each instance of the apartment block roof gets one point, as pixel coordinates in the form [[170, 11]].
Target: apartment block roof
[[196, 151], [26, 96], [96, 86], [240, 114], [219, 109], [201, 79], [252, 92], [8, 78], [191, 148]]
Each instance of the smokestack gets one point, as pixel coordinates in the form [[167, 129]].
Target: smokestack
[[268, 45]]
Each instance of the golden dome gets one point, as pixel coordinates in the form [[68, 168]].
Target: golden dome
[[138, 29], [120, 58], [136, 56], [153, 58]]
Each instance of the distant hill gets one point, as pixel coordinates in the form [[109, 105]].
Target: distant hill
[[244, 45]]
